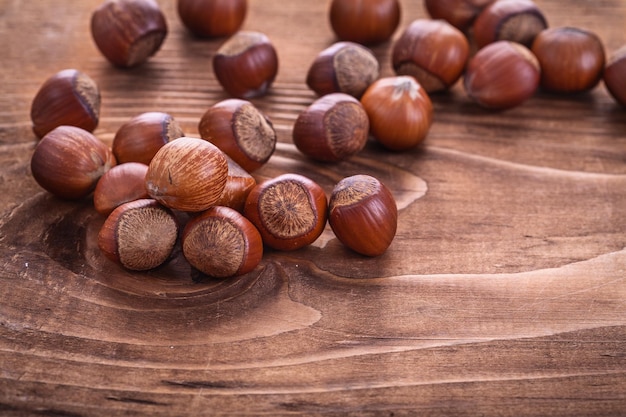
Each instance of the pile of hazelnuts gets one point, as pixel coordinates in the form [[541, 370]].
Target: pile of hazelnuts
[[153, 172]]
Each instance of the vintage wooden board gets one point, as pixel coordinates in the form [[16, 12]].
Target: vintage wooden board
[[503, 293]]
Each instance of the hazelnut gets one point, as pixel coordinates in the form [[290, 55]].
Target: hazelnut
[[363, 214], [502, 75], [364, 21], [459, 13], [128, 32], [246, 64], [69, 161], [139, 235], [69, 97], [239, 183], [509, 20], [399, 110], [142, 136], [344, 67], [572, 60], [289, 211], [222, 243], [332, 129], [432, 51], [615, 75], [212, 18], [241, 131], [187, 174], [121, 184]]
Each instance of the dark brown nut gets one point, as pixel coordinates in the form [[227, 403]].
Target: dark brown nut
[[364, 21], [121, 184], [459, 13], [509, 20], [615, 75], [212, 18]]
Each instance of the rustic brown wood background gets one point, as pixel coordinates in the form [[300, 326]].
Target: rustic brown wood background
[[504, 293]]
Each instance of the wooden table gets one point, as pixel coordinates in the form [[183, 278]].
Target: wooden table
[[504, 292]]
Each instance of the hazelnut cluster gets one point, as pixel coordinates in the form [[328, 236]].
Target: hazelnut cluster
[[153, 172]]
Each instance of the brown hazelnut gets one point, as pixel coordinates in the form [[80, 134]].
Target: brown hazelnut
[[121, 184], [344, 67], [222, 243], [615, 75], [290, 211], [432, 51], [363, 214], [364, 21], [239, 183], [502, 75], [241, 131], [212, 18], [509, 20], [142, 136], [69, 97], [331, 129], [139, 235], [128, 32], [572, 60], [399, 110], [246, 64], [459, 13], [187, 174], [69, 161]]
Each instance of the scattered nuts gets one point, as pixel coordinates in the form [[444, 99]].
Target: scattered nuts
[[502, 75], [121, 184], [289, 211], [128, 32], [364, 21], [615, 75], [399, 110], [432, 51], [139, 235], [70, 97], [509, 20], [344, 67], [246, 64], [212, 18], [332, 129], [241, 131], [363, 214], [143, 135], [222, 243], [572, 60], [187, 174], [69, 161]]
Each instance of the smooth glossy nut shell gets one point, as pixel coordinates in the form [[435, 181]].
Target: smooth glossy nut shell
[[343, 67], [572, 60], [332, 129], [222, 243], [399, 110], [121, 184], [615, 75], [502, 75], [139, 139], [69, 97], [241, 131], [459, 13], [363, 214], [364, 21], [187, 174], [509, 20], [212, 18], [246, 64], [128, 32], [432, 51], [139, 235], [290, 211], [238, 185], [69, 161]]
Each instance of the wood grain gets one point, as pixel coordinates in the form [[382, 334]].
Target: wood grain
[[503, 294]]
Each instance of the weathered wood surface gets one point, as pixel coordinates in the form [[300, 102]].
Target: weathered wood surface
[[504, 292]]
